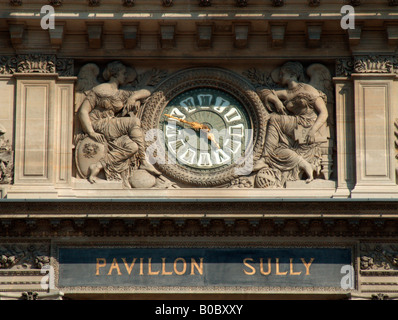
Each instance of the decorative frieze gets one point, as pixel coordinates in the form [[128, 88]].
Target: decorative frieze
[[278, 227], [36, 63], [366, 64], [344, 67], [379, 257], [8, 64], [24, 256], [373, 64]]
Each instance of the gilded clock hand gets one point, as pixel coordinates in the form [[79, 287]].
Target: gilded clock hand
[[197, 126], [193, 125], [211, 137]]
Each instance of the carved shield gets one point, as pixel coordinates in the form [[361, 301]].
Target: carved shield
[[87, 153]]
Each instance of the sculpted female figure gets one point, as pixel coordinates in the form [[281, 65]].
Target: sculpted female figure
[[298, 106], [102, 117]]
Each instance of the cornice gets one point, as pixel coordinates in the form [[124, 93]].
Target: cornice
[[194, 218]]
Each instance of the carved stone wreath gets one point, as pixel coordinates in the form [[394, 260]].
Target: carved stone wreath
[[210, 78]]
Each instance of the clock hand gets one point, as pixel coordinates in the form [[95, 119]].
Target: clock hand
[[211, 137], [197, 126], [194, 125]]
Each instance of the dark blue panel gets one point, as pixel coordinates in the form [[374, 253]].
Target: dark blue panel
[[260, 267]]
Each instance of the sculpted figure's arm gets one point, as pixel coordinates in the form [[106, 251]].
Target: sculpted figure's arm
[[85, 121], [321, 109], [137, 96], [275, 97]]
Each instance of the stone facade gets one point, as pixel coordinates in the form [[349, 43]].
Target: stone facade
[[297, 114]]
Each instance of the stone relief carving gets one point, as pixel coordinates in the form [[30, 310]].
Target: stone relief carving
[[344, 67], [31, 63], [111, 138], [36, 63], [296, 142], [8, 64], [6, 159], [297, 127], [373, 64], [366, 64], [15, 256], [377, 257]]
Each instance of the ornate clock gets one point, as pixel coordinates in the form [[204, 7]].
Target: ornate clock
[[209, 126]]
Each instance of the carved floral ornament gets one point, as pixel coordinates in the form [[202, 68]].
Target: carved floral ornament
[[367, 64], [379, 257], [36, 63], [20, 257]]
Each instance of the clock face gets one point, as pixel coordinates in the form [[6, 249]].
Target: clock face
[[205, 129]]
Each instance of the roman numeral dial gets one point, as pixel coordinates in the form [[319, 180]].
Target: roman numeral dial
[[205, 128]]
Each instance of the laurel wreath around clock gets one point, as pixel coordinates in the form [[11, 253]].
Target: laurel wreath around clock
[[216, 78]]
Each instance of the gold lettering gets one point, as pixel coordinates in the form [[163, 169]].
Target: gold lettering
[[129, 268], [164, 272], [245, 262], [307, 265], [100, 265], [184, 264], [291, 269], [194, 265], [114, 265], [141, 266], [150, 272], [277, 269], [262, 267]]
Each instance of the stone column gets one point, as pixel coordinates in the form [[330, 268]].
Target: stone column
[[43, 127], [345, 136], [376, 102]]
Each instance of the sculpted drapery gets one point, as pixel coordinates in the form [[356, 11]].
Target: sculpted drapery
[[107, 116], [295, 128]]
